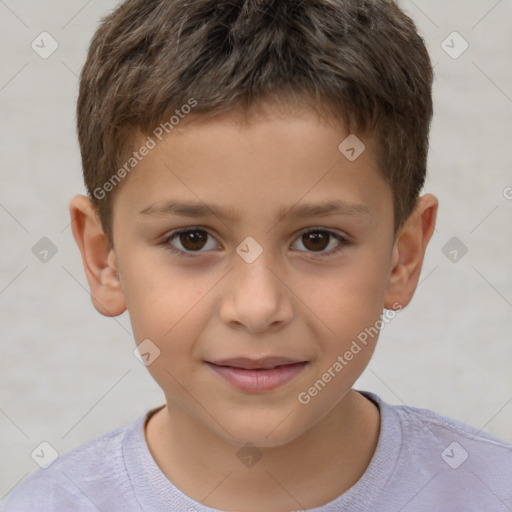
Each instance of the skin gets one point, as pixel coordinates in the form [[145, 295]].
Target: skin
[[290, 301]]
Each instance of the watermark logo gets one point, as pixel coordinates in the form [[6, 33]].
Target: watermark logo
[[44, 45], [352, 147], [146, 352], [44, 250], [454, 45], [249, 250], [454, 455], [454, 249], [249, 455], [44, 455]]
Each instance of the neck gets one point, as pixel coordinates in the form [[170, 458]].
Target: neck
[[307, 472]]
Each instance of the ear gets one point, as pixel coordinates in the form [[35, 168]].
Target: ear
[[98, 258], [409, 251]]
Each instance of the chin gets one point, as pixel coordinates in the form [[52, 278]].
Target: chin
[[265, 432]]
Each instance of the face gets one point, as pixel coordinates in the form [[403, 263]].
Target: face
[[253, 292]]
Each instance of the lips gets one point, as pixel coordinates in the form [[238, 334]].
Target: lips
[[257, 375], [265, 363]]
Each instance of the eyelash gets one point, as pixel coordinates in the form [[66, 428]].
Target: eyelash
[[191, 254]]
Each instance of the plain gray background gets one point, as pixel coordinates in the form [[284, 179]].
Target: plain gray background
[[68, 374]]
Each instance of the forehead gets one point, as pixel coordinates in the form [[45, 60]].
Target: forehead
[[270, 160]]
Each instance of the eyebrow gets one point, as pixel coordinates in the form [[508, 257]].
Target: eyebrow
[[199, 209]]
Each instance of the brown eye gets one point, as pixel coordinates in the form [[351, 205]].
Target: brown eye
[[193, 240], [316, 240]]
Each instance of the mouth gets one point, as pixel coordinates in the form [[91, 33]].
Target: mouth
[[257, 375]]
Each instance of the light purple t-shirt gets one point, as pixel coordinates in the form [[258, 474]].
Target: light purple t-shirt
[[424, 462]]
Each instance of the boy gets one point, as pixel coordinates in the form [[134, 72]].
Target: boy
[[254, 171]]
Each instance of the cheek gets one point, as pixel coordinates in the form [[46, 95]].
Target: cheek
[[350, 298], [160, 299]]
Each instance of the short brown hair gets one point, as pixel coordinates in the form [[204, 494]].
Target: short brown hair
[[360, 60]]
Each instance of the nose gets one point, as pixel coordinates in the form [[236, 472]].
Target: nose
[[256, 296]]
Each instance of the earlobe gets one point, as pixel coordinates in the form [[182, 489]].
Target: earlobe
[[409, 251], [98, 258]]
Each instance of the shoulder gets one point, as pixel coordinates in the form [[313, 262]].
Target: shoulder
[[437, 430], [84, 479], [447, 460]]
